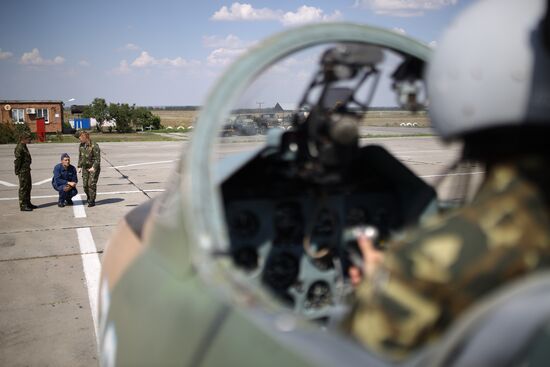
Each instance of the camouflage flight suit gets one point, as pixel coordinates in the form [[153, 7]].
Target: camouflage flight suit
[[89, 156], [22, 165], [429, 279]]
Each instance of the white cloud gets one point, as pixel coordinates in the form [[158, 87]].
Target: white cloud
[[308, 14], [399, 30], [34, 58], [225, 49], [240, 11], [223, 56], [433, 44], [143, 60], [84, 63], [123, 68], [403, 8], [131, 47], [146, 60], [246, 12], [5, 55]]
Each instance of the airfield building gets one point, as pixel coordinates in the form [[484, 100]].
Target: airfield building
[[27, 112]]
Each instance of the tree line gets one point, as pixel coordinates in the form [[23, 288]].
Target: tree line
[[127, 118]]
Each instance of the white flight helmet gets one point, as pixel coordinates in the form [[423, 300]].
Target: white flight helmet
[[491, 69]]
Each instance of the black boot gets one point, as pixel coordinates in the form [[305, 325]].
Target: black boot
[[91, 203], [61, 204], [26, 208], [69, 202], [32, 206]]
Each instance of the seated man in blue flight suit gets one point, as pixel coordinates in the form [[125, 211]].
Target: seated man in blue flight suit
[[64, 180]]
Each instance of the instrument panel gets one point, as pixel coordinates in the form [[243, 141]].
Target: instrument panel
[[295, 244], [288, 231]]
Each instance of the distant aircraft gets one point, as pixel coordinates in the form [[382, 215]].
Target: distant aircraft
[[244, 262]]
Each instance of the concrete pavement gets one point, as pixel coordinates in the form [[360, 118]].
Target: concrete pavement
[[50, 258]]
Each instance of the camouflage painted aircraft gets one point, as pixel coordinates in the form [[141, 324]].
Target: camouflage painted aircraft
[[243, 262]]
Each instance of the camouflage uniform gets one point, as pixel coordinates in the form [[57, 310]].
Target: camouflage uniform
[[89, 156], [22, 165], [429, 279]]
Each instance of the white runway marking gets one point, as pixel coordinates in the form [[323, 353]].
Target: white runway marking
[[78, 207], [145, 163], [92, 270], [99, 193], [34, 184], [42, 182], [7, 184]]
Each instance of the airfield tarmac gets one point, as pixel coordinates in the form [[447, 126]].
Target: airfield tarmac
[[50, 258]]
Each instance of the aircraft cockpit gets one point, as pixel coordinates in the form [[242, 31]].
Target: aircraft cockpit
[[292, 208]]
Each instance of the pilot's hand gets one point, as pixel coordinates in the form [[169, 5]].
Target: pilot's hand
[[372, 258]]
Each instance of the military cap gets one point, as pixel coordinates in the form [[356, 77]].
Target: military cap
[[25, 135], [77, 134]]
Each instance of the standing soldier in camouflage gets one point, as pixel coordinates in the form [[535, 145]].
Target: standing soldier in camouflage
[[22, 165], [89, 163], [489, 90]]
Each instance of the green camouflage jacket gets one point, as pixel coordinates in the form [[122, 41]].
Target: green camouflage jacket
[[89, 155], [432, 276], [23, 159]]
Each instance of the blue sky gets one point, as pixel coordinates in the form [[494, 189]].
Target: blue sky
[[167, 52]]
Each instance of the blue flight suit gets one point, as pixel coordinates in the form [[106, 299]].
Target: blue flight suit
[[61, 176]]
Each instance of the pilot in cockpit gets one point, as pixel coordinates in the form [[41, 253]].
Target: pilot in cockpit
[[489, 86]]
